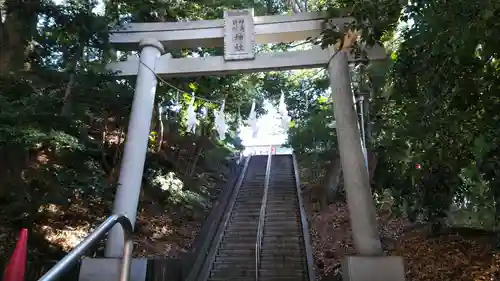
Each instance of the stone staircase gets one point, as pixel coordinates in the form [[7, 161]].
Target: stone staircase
[[235, 259], [282, 256]]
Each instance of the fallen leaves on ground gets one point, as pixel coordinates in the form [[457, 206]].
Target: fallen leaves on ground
[[443, 258], [449, 257], [162, 235], [160, 231], [331, 235]]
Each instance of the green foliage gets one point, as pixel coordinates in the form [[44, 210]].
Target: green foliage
[[433, 102], [439, 108], [63, 119]]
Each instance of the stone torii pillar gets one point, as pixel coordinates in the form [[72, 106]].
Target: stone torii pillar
[[370, 265], [136, 145], [359, 197]]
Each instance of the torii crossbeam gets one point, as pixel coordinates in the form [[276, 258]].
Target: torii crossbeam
[[210, 33]]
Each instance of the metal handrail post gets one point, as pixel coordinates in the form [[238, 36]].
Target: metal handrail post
[[78, 252], [262, 215]]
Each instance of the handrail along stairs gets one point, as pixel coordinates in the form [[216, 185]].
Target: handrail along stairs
[[215, 219], [304, 222], [262, 215], [205, 270]]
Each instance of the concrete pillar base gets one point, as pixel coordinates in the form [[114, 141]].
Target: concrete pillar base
[[108, 269], [359, 268]]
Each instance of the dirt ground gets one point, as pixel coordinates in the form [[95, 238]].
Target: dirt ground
[[448, 257]]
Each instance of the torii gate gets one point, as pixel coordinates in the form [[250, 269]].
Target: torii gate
[[238, 32]]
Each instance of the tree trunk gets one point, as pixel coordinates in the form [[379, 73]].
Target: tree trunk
[[372, 165], [332, 179], [199, 151], [16, 32], [495, 189], [160, 128], [72, 69], [200, 145], [67, 100]]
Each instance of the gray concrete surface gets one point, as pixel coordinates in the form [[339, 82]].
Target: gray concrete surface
[[359, 268], [107, 269]]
